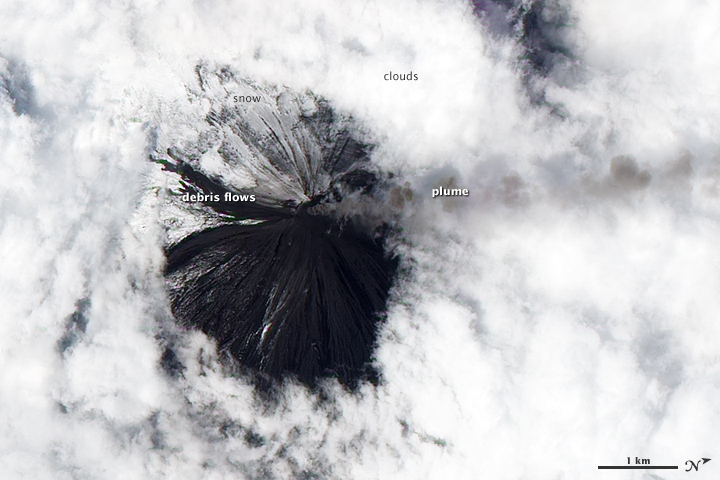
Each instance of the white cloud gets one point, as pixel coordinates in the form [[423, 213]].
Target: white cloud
[[559, 318]]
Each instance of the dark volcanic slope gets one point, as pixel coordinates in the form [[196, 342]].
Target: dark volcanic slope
[[285, 284]]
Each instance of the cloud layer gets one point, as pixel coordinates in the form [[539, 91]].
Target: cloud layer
[[562, 316]]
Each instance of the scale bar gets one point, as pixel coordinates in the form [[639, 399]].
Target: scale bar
[[637, 467]]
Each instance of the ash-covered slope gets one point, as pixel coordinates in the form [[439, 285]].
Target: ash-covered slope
[[292, 278]]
